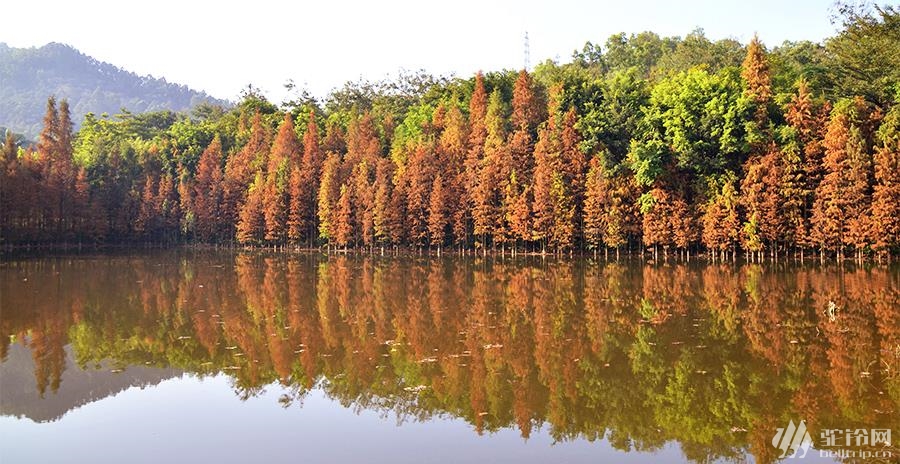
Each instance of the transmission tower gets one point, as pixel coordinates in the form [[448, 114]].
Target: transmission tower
[[527, 52]]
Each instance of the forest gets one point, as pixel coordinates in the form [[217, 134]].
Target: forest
[[667, 145]]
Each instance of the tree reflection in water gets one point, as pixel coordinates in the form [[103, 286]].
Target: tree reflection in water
[[715, 357]]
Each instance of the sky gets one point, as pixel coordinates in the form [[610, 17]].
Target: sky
[[221, 47]]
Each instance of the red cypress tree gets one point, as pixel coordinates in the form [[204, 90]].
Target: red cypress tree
[[829, 211], [329, 193], [596, 193], [148, 210], [453, 149], [487, 195], [186, 199], [596, 205], [47, 141], [477, 134], [419, 179], [573, 165], [438, 212], [296, 206], [859, 193], [381, 215], [524, 119], [546, 163], [395, 216], [343, 223], [84, 214], [240, 170], [757, 80], [656, 209], [760, 195], [251, 225], [207, 192], [516, 211], [363, 200], [335, 138], [363, 153], [684, 224], [843, 199], [721, 223], [791, 190], [57, 170], [48, 199], [807, 119], [310, 172], [169, 208], [285, 155], [885, 227], [563, 232]]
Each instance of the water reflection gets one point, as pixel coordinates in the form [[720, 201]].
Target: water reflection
[[713, 357]]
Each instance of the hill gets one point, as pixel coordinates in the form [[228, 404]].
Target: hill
[[29, 75], [78, 386]]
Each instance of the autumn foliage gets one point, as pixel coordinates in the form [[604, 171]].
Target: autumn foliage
[[696, 161]]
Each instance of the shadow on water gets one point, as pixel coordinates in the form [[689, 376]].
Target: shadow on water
[[715, 357]]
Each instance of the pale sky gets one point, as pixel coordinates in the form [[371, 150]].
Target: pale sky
[[220, 47]]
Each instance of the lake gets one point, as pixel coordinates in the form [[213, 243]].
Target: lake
[[184, 355]]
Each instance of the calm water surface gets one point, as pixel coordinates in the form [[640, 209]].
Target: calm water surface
[[184, 356]]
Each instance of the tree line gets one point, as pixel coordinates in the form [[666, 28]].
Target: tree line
[[677, 145]]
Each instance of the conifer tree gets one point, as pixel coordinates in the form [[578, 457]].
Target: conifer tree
[[343, 222], [309, 175], [381, 215], [885, 226], [251, 225], [419, 180], [757, 80], [829, 219], [656, 210], [477, 134], [454, 147], [491, 180], [721, 223], [297, 206], [207, 192], [596, 204], [329, 193], [858, 196], [148, 209], [524, 119], [437, 212], [283, 158], [240, 170], [806, 120]]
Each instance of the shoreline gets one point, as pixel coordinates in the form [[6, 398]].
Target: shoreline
[[645, 255]]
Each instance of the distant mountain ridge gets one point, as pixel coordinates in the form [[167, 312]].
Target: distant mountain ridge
[[29, 75]]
